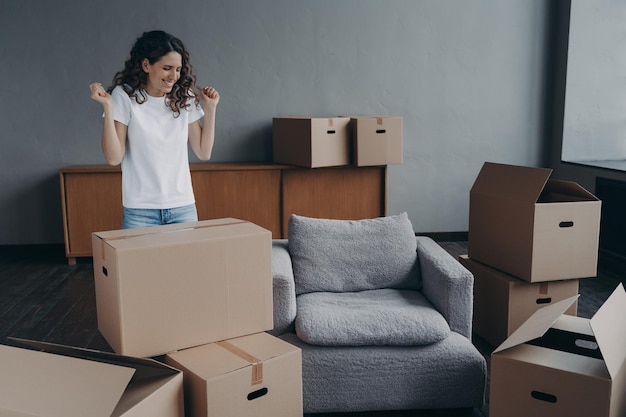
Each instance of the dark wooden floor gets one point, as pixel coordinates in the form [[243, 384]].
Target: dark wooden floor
[[43, 298]]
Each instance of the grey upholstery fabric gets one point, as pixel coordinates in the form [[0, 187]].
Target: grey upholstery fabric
[[353, 255], [373, 317], [447, 284], [284, 288], [448, 374]]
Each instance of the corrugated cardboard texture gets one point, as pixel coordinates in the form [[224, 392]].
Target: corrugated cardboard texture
[[503, 302], [311, 142], [43, 384], [220, 379], [563, 377], [531, 227], [89, 382], [185, 286], [377, 140]]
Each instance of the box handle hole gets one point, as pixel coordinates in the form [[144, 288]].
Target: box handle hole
[[586, 344], [546, 300], [105, 271], [381, 131], [256, 394], [331, 132], [566, 224], [542, 396]]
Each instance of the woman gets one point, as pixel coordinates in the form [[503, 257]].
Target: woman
[[151, 112]]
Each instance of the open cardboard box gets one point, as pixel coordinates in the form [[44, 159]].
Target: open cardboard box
[[311, 142], [249, 376], [164, 288], [503, 302], [556, 365], [533, 227], [376, 140], [63, 381]]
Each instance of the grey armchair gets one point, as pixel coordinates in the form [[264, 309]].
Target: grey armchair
[[372, 342]]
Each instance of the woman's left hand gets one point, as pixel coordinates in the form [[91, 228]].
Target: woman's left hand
[[210, 97]]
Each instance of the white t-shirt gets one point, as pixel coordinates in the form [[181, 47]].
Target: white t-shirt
[[155, 167]]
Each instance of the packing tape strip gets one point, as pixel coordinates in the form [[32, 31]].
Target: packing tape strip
[[379, 120], [543, 288], [153, 232], [257, 364]]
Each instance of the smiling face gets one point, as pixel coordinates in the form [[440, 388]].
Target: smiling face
[[163, 74]]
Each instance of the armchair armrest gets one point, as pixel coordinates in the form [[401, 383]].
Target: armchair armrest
[[447, 284], [284, 288]]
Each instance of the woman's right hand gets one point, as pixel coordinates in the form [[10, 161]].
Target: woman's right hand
[[99, 94]]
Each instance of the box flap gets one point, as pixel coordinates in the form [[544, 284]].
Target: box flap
[[49, 385], [511, 181], [142, 231], [537, 324], [216, 359], [143, 368], [143, 236], [566, 191], [609, 328]]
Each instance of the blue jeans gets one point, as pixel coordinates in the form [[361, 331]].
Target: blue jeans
[[132, 218]]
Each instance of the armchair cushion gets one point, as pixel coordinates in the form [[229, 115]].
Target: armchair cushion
[[353, 255], [372, 317]]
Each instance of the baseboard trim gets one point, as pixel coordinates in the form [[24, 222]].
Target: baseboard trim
[[52, 250], [446, 236]]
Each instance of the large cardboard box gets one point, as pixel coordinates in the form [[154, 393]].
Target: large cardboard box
[[250, 376], [62, 381], [376, 140], [311, 142], [533, 227], [503, 302], [556, 365], [164, 288]]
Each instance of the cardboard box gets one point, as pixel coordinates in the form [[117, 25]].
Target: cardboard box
[[557, 365], [164, 288], [250, 376], [533, 227], [311, 142], [62, 381], [503, 302], [376, 140]]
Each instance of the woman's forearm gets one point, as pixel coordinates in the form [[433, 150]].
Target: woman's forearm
[[113, 146], [207, 138]]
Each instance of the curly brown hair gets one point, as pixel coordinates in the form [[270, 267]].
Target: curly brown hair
[[153, 46]]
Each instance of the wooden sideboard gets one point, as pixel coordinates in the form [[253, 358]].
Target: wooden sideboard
[[262, 193]]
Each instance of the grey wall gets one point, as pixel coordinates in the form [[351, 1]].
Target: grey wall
[[467, 76]]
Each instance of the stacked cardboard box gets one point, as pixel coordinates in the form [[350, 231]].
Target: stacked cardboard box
[[200, 294], [528, 236], [531, 238], [314, 142], [248, 376], [503, 302], [376, 140], [164, 288], [556, 365], [311, 142]]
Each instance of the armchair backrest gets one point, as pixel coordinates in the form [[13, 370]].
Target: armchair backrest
[[353, 255]]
